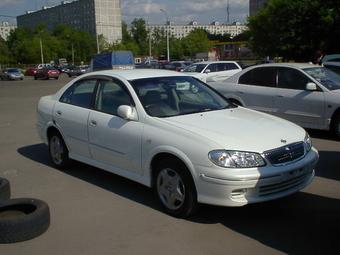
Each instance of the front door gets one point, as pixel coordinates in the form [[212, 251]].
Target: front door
[[114, 141], [295, 103]]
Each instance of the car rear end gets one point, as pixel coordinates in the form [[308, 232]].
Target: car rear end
[[53, 73]]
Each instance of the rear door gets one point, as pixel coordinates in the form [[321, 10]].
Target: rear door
[[71, 115], [257, 87], [293, 102]]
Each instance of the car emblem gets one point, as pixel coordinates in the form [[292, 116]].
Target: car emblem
[[283, 141], [287, 149]]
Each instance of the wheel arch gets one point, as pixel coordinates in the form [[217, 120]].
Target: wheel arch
[[175, 155], [52, 130]]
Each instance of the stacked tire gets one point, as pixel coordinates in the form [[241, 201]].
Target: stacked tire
[[21, 219]]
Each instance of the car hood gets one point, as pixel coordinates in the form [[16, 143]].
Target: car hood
[[240, 129]]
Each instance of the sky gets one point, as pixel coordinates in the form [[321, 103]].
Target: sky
[[179, 11]]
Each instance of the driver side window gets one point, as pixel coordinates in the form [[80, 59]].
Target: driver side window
[[289, 78], [111, 95]]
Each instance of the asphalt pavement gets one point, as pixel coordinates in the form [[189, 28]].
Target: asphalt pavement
[[96, 212]]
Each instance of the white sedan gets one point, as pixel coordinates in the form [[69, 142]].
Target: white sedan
[[209, 71], [171, 132]]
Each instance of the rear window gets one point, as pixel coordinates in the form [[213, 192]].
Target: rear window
[[264, 76]]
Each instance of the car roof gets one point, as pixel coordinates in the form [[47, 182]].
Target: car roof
[[135, 74], [295, 65], [214, 62]]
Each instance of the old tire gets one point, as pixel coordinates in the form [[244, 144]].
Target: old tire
[[5, 190], [175, 188], [23, 219], [58, 151]]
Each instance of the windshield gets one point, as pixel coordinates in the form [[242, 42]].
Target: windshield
[[327, 78], [179, 95], [195, 68]]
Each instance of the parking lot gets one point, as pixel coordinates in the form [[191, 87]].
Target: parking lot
[[95, 212]]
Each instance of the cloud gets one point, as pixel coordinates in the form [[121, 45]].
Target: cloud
[[10, 2], [181, 11]]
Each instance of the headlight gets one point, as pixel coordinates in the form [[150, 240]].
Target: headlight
[[308, 143], [236, 159]]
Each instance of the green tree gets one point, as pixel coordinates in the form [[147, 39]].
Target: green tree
[[196, 41], [295, 29], [5, 56], [140, 35]]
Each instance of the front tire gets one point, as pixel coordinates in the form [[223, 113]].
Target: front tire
[[175, 189], [58, 151]]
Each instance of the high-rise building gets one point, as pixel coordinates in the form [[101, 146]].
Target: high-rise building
[[98, 17], [5, 30], [181, 31], [255, 6]]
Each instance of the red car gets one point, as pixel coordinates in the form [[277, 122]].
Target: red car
[[31, 71], [47, 73]]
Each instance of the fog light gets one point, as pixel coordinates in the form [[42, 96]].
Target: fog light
[[238, 193]]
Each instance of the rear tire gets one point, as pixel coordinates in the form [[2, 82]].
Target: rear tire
[[58, 151], [35, 78], [175, 188]]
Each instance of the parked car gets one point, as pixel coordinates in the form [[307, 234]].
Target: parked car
[[213, 70], [31, 71], [172, 132], [306, 94], [47, 73], [331, 58], [334, 66], [76, 70], [180, 65], [11, 74]]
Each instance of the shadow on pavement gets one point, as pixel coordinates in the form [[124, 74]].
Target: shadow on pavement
[[300, 224], [329, 165], [103, 179], [322, 134]]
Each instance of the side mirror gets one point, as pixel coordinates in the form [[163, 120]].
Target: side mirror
[[207, 71], [311, 86], [127, 112]]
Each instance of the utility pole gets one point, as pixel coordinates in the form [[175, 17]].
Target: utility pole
[[228, 12], [41, 51], [167, 34]]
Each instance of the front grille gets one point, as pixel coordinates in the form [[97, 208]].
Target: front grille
[[284, 185], [286, 154]]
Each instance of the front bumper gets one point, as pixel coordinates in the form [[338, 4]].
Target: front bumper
[[238, 187]]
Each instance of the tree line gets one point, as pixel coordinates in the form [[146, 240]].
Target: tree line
[[291, 29]]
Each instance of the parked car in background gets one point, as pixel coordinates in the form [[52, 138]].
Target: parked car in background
[[306, 94], [180, 65], [334, 66], [213, 70], [11, 74], [76, 70], [47, 73], [172, 132], [331, 58], [31, 71]]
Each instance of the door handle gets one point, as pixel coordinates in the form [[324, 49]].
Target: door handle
[[59, 113], [241, 92], [93, 123], [280, 96]]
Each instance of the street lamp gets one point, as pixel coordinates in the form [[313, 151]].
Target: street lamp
[[167, 34], [97, 37]]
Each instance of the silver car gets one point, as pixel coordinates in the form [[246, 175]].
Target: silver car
[[306, 94]]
